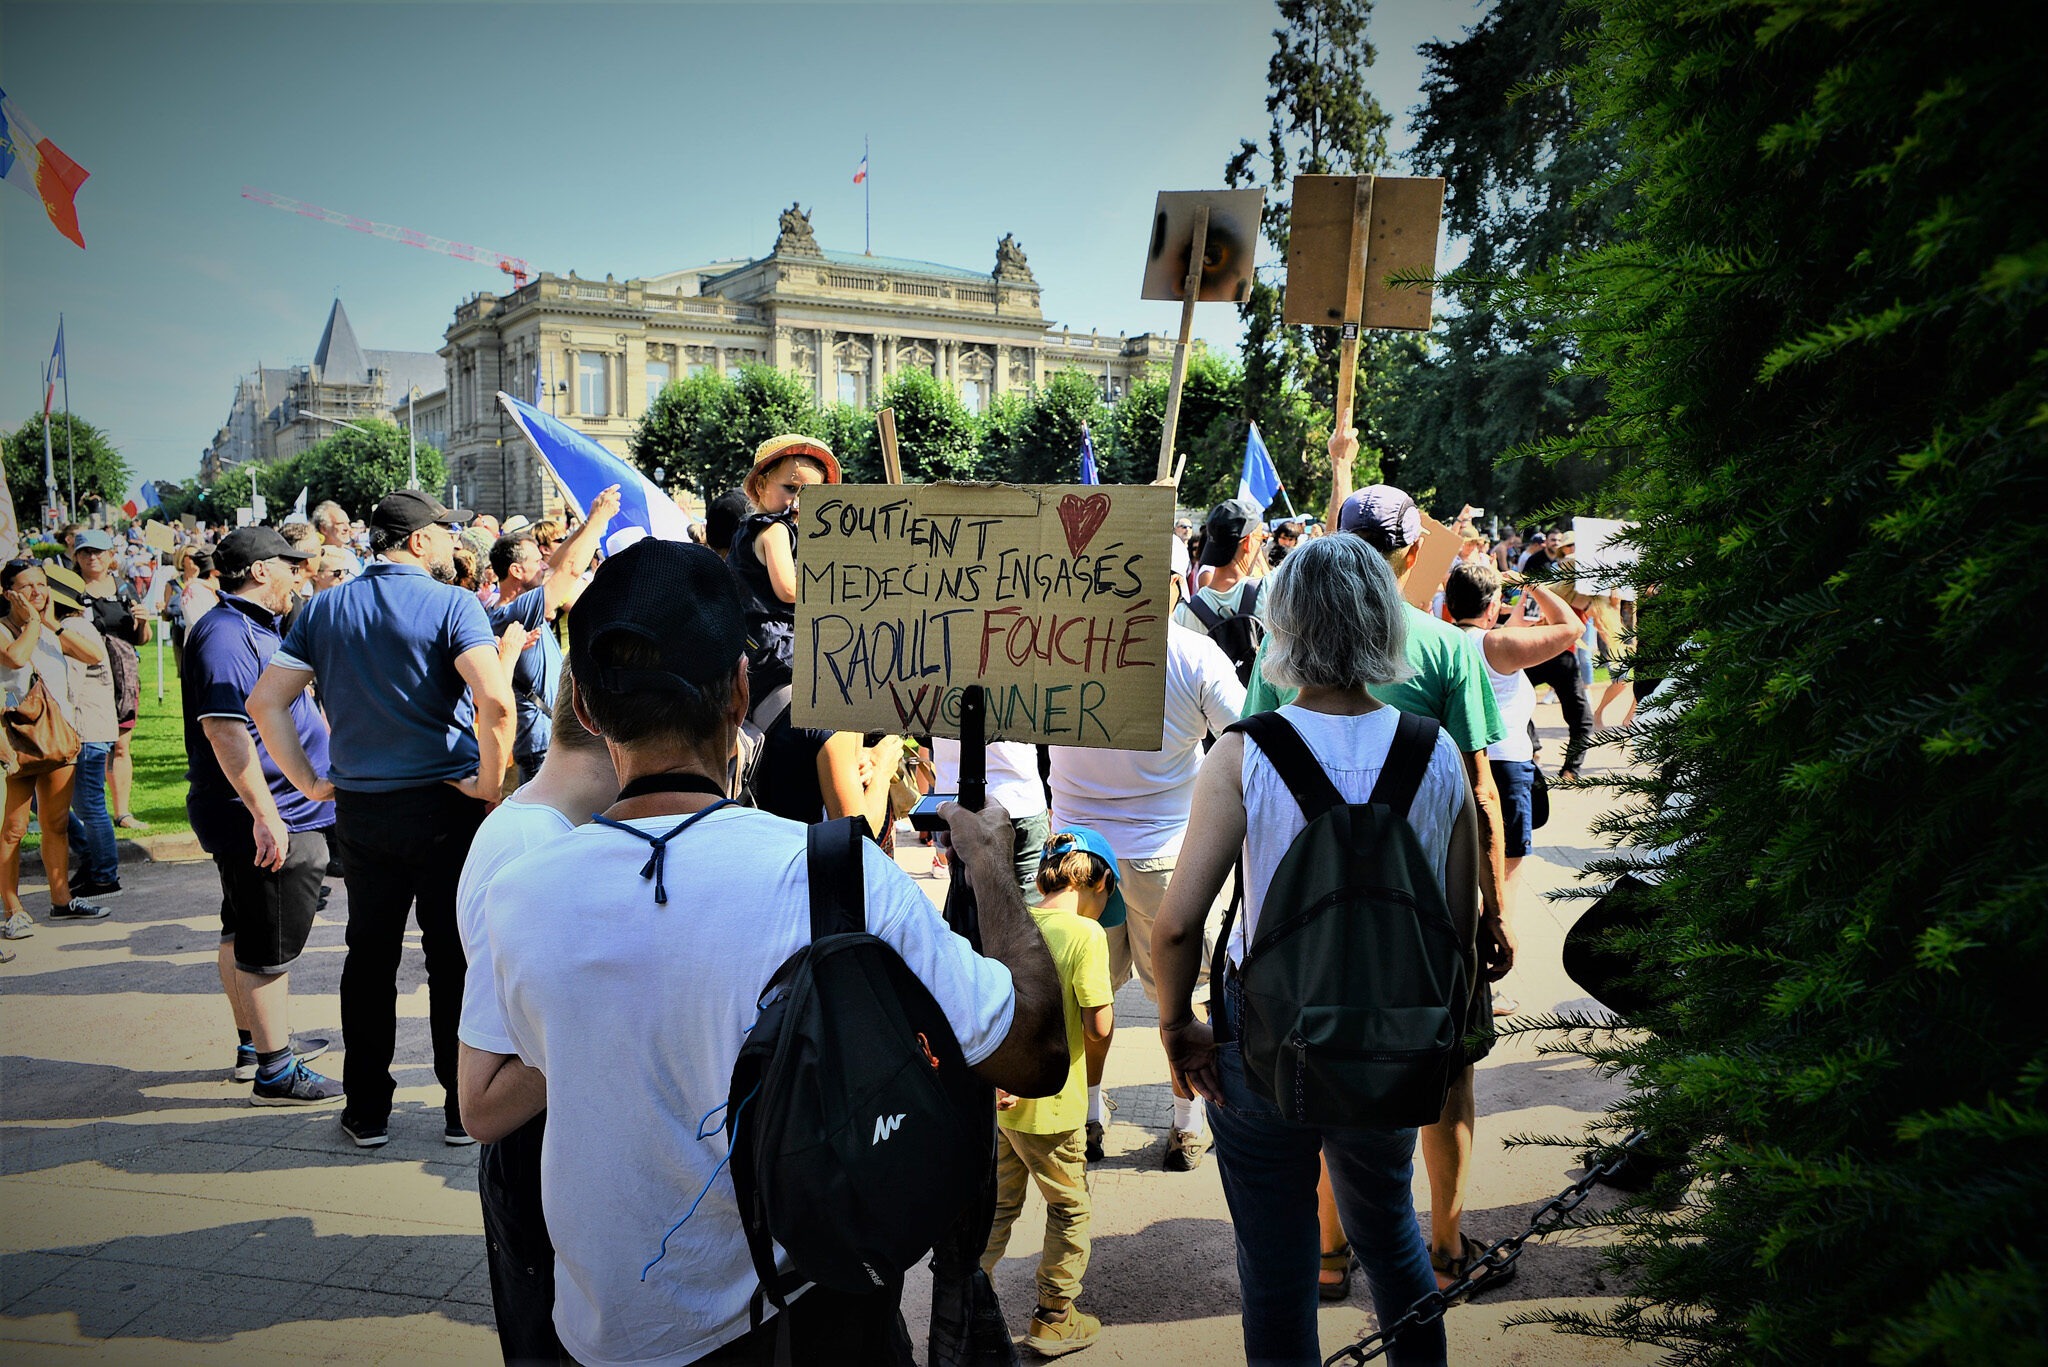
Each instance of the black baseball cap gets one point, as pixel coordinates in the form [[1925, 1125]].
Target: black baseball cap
[[408, 510], [1229, 523], [677, 596], [244, 546], [1384, 516]]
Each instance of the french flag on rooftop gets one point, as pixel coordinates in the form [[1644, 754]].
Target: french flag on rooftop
[[585, 469]]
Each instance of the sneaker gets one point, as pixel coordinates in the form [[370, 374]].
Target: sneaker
[[298, 1085], [1184, 1151], [245, 1056], [1070, 1333], [78, 909], [87, 887], [18, 926], [363, 1133], [452, 1133]]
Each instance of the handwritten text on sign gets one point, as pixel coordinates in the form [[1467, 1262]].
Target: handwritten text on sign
[[1052, 597]]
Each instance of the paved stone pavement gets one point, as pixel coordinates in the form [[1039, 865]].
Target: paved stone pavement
[[151, 1215]]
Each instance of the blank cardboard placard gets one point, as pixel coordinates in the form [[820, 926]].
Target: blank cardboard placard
[[1407, 216], [1432, 563], [189, 521], [158, 535], [1228, 251], [1052, 597], [1601, 558]]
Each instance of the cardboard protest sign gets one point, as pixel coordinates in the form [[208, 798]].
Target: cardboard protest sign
[[158, 535], [1432, 563], [1403, 223], [190, 522], [1054, 598], [1230, 243], [245, 517], [1600, 556]]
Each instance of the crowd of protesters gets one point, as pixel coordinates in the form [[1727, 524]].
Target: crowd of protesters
[[579, 776]]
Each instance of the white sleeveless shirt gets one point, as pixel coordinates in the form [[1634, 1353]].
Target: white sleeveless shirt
[[1516, 698], [1352, 751]]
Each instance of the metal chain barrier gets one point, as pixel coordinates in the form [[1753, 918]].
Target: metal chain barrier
[[1494, 1260]]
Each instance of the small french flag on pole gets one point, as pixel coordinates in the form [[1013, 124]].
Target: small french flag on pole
[[861, 172]]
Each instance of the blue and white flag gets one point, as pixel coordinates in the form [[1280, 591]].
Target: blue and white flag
[[1260, 481], [150, 498], [1089, 474], [585, 469]]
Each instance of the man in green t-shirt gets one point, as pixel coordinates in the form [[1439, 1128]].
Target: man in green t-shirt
[[1449, 684], [1043, 1139]]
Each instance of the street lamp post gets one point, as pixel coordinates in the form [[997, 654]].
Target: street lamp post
[[412, 459]]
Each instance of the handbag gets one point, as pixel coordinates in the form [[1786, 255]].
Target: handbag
[[42, 738]]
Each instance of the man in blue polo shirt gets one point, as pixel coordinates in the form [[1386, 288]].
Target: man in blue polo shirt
[[267, 839], [532, 589], [421, 714]]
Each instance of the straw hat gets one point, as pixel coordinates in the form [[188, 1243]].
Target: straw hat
[[773, 451]]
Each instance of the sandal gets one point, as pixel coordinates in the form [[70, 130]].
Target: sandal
[[1470, 1252], [128, 821], [1336, 1260]]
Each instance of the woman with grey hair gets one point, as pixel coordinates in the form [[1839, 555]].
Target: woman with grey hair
[[1335, 627]]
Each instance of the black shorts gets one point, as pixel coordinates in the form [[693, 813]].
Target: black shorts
[[269, 915]]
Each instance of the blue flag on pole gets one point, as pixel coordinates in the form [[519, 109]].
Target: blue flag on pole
[[1089, 474], [1260, 481], [585, 469], [150, 498]]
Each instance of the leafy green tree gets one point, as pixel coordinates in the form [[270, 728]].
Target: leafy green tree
[[1212, 430], [1324, 122], [1823, 332], [228, 491], [1525, 184], [849, 430], [101, 472], [354, 468], [701, 432], [1002, 428], [1040, 434], [936, 436], [667, 437]]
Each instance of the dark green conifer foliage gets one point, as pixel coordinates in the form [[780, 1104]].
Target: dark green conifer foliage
[[1824, 332]]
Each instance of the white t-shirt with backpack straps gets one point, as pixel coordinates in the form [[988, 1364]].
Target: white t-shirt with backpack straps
[[635, 1012]]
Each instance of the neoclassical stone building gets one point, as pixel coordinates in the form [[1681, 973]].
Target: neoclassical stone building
[[595, 353]]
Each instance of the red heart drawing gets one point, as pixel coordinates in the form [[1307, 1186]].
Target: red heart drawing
[[1083, 518]]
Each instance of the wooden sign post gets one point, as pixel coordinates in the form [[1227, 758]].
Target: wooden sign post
[[1203, 246], [1052, 598], [1346, 236], [892, 462]]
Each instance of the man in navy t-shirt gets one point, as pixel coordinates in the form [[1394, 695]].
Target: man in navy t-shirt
[[532, 589], [267, 839], [421, 718]]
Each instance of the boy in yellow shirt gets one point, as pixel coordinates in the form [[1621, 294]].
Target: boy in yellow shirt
[[1044, 1139]]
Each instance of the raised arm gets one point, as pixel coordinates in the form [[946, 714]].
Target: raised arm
[[1032, 1059], [573, 556], [1511, 648], [82, 642]]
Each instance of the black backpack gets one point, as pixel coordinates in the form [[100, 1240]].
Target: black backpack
[[1238, 634], [857, 1131], [1354, 985]]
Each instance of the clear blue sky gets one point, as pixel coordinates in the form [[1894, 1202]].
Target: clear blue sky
[[623, 139]]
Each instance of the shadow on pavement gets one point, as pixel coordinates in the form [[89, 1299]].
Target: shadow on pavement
[[208, 1285], [1158, 1275]]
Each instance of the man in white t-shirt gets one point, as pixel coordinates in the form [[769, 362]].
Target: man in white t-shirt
[[1139, 801], [1013, 785], [575, 779], [629, 956]]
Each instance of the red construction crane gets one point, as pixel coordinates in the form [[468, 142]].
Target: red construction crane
[[518, 269]]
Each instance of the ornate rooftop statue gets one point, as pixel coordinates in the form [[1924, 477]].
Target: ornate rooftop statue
[[1010, 262], [793, 236]]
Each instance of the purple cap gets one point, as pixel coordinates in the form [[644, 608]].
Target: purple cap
[[1385, 516]]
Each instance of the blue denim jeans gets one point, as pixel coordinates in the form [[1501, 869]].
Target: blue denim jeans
[[92, 827], [1269, 1172]]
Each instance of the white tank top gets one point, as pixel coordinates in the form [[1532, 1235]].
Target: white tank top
[[1516, 698]]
